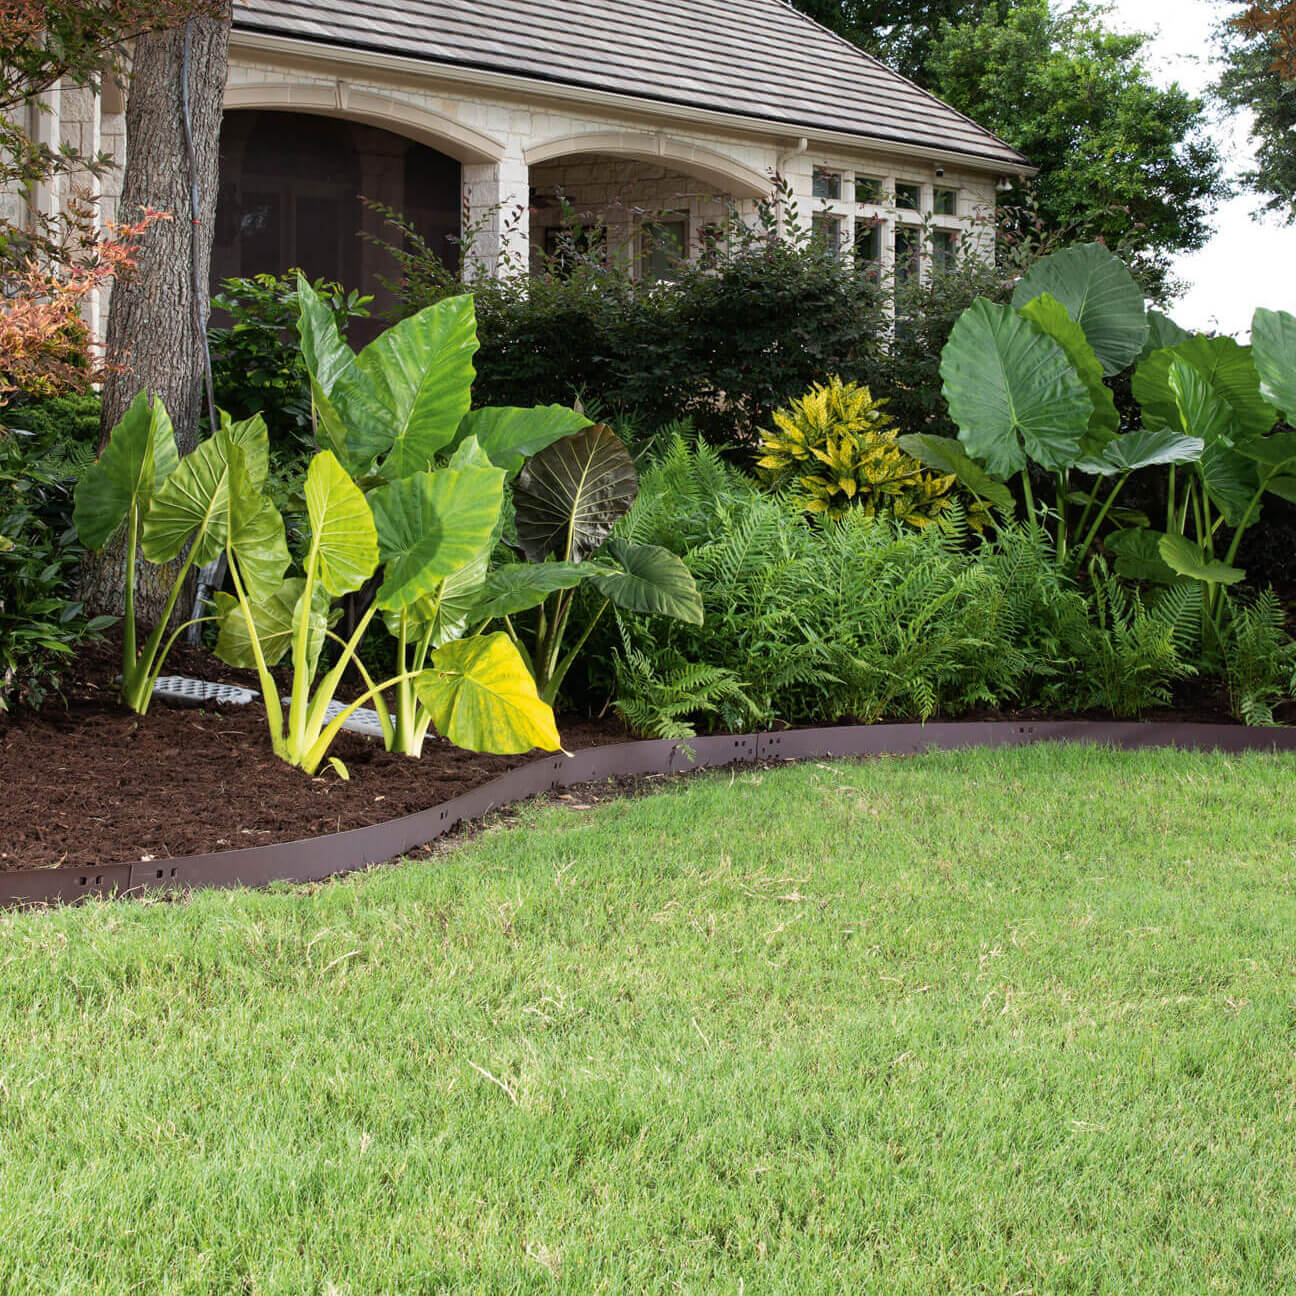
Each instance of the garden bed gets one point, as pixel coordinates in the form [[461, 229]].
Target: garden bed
[[91, 783]]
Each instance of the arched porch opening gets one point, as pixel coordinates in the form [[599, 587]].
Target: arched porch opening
[[291, 190]]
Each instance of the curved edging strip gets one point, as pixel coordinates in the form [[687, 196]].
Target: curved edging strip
[[344, 852]]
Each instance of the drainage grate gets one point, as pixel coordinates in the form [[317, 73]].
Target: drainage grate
[[182, 691]]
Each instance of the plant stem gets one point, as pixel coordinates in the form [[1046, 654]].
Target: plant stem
[[1030, 497], [1092, 535]]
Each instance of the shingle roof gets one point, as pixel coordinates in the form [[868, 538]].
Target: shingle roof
[[757, 58]]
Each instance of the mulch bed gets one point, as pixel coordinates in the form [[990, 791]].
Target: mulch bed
[[90, 783], [87, 782]]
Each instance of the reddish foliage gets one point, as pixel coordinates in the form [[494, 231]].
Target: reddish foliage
[[1275, 19], [44, 343]]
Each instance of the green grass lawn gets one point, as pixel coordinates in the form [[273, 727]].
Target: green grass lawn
[[993, 1022]]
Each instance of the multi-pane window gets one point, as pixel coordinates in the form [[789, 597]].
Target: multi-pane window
[[909, 197], [826, 231], [868, 189], [868, 243], [664, 244], [945, 202], [826, 184], [908, 242], [944, 249]]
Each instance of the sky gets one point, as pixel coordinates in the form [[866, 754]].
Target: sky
[[1246, 264]]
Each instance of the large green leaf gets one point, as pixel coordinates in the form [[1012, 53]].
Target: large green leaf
[[430, 525], [1273, 348], [1227, 367], [1187, 559], [1048, 314], [421, 371], [1275, 451], [1100, 294], [568, 496], [448, 613], [252, 437], [1143, 448], [1230, 478], [256, 537], [1162, 332], [343, 535], [510, 435], [946, 456], [275, 618], [139, 456], [519, 587], [481, 697], [648, 579], [1138, 555], [1200, 411], [193, 504], [350, 415], [1012, 391]]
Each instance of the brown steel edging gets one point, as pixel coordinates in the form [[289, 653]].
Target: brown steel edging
[[357, 848]]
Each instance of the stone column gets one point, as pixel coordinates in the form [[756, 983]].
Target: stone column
[[497, 216]]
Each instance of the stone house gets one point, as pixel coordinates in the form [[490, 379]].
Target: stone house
[[487, 116]]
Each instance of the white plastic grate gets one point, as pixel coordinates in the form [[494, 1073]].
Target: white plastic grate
[[180, 690]]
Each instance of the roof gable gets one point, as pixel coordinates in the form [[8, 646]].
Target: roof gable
[[755, 58]]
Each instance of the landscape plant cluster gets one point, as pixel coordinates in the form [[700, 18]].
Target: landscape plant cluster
[[404, 500], [467, 571], [1069, 601]]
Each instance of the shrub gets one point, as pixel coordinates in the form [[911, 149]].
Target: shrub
[[53, 420], [835, 448], [1259, 659], [40, 618], [745, 329], [257, 365]]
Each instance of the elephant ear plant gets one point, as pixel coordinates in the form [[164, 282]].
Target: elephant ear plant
[[567, 500], [208, 502], [1026, 384], [433, 471]]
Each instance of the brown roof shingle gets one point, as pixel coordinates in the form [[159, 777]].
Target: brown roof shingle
[[757, 58]]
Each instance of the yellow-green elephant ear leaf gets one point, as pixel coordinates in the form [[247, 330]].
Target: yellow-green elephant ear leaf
[[140, 455], [344, 540], [482, 698]]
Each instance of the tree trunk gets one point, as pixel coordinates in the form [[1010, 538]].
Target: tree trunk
[[153, 329]]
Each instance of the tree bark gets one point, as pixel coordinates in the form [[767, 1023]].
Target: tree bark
[[153, 318]]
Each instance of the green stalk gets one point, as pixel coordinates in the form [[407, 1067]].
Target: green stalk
[[1062, 488], [553, 647], [1030, 497], [137, 684], [1170, 501], [322, 695], [310, 762], [269, 691], [380, 703], [550, 693], [299, 697], [1089, 506], [1085, 544], [405, 700]]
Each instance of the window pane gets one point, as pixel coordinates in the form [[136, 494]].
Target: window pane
[[868, 189], [664, 244], [909, 196], [945, 202], [906, 253], [826, 184], [868, 242], [826, 231], [944, 249]]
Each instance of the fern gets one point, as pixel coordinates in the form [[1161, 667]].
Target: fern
[[1259, 659], [658, 700]]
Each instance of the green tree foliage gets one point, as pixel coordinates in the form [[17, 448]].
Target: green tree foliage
[[1122, 159], [1254, 81], [1126, 159], [901, 33]]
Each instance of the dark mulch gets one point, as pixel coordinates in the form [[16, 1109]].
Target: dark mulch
[[91, 783], [86, 782]]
